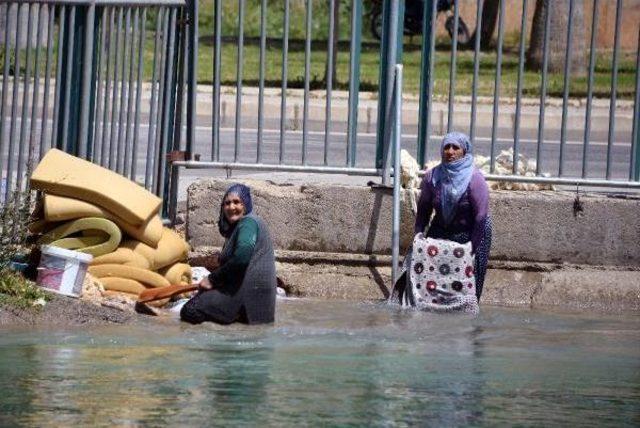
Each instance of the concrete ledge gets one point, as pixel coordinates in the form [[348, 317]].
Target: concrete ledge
[[362, 277], [528, 226]]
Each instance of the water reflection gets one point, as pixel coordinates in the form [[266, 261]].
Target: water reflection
[[329, 363]]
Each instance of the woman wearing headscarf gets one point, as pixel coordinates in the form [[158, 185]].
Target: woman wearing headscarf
[[243, 287], [458, 193]]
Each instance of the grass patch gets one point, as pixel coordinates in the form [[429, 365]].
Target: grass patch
[[18, 292]]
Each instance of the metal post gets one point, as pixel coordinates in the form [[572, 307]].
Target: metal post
[[516, 125], [283, 87], [354, 80], [192, 77], [217, 47], [565, 94], [452, 65], [634, 169], [476, 68], [263, 53], [5, 81], [25, 98], [397, 177], [496, 92], [307, 70], [239, 69], [543, 87], [389, 57], [329, 77], [614, 87], [87, 83], [592, 64]]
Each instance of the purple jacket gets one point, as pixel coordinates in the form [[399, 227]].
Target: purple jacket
[[471, 212]]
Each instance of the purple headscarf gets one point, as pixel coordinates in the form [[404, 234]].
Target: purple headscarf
[[453, 177], [244, 193]]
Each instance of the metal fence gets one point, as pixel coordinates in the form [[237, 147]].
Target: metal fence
[[559, 142], [98, 79], [569, 151]]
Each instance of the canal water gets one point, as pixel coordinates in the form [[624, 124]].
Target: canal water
[[330, 363]]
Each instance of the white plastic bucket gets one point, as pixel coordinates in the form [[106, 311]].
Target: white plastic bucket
[[62, 271]]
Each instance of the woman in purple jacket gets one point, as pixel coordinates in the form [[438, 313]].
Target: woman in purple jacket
[[459, 195]]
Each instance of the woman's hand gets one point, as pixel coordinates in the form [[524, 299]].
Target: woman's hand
[[205, 284]]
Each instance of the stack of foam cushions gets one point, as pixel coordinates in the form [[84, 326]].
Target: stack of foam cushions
[[91, 209]]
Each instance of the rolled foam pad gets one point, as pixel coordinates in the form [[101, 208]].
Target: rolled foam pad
[[179, 273], [122, 256], [171, 249], [79, 242], [146, 277], [122, 284], [89, 223], [61, 174], [59, 208]]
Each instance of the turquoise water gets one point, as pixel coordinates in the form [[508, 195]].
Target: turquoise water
[[330, 363]]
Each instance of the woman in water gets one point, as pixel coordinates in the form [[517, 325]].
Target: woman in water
[[458, 194], [243, 287]]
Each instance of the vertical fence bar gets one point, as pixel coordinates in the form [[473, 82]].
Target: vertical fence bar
[[25, 97], [452, 65], [496, 92], [113, 161], [354, 81], [263, 49], [97, 152], [543, 87], [476, 69], [127, 138], [192, 76], [56, 99], [105, 149], [307, 71], [283, 88], [87, 84], [634, 162], [614, 87], [5, 82], [516, 123], [391, 43], [14, 104], [136, 125], [239, 70], [426, 79], [162, 91], [592, 65], [217, 46], [166, 115], [329, 77], [68, 74], [397, 177], [148, 175], [565, 92], [47, 79], [121, 147], [36, 92]]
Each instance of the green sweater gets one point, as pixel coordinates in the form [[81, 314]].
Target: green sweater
[[236, 253]]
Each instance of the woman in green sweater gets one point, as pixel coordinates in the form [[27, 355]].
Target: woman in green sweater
[[243, 287]]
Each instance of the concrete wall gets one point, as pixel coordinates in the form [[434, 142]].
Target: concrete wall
[[528, 226]]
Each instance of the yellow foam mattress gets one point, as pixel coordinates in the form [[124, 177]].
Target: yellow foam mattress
[[60, 208], [122, 256], [171, 249], [178, 273], [61, 174], [92, 235], [146, 277]]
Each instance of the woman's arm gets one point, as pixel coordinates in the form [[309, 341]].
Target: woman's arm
[[245, 242], [479, 199], [425, 204]]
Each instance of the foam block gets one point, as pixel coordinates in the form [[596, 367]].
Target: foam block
[[61, 174], [60, 208], [171, 249], [106, 244], [122, 256], [179, 273], [146, 277]]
